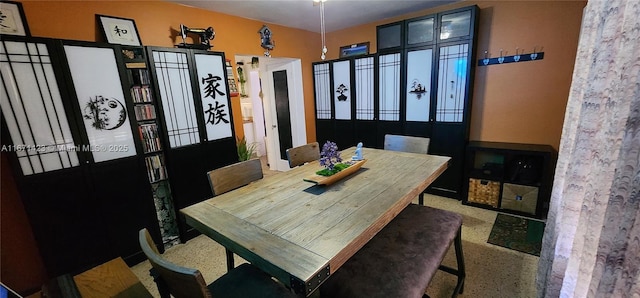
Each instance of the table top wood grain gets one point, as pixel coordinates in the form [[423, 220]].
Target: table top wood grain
[[300, 232]]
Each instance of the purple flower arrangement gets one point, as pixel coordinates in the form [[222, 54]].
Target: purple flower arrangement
[[329, 155]]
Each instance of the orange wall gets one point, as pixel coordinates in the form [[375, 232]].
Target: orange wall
[[21, 267], [517, 102], [158, 25]]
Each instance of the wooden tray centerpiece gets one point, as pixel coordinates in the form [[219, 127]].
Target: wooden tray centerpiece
[[334, 168], [326, 180]]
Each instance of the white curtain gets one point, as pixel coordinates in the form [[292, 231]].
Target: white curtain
[[591, 246]]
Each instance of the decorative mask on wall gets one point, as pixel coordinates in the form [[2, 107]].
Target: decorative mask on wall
[[266, 42]]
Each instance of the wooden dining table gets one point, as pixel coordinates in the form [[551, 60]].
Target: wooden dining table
[[301, 233]]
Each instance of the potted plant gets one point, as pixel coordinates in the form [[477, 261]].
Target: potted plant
[[245, 151]]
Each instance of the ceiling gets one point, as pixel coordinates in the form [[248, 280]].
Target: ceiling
[[305, 14]]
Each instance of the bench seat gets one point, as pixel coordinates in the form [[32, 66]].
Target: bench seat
[[402, 258]]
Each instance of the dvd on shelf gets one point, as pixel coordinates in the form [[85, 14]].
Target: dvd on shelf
[[150, 138], [140, 76], [145, 112], [141, 94], [155, 168]]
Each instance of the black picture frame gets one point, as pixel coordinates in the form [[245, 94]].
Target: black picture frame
[[357, 49], [12, 19], [117, 30]]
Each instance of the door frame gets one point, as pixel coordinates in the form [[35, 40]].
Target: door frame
[[293, 67]]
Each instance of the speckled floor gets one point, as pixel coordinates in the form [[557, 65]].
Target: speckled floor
[[492, 271]]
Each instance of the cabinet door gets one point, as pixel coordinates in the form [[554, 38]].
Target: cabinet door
[[41, 136], [451, 114], [364, 86], [389, 88], [324, 115], [456, 24], [342, 102], [451, 98], [420, 31], [418, 92], [196, 115], [390, 37]]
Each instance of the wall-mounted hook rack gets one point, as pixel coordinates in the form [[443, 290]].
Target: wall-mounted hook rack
[[510, 59]]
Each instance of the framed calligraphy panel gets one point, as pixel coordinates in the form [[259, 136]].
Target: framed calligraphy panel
[[210, 69], [119, 30], [12, 19]]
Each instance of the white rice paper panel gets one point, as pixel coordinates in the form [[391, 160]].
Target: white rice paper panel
[[452, 81], [364, 85], [419, 85], [323, 91], [213, 90], [97, 81], [44, 143], [389, 92], [342, 89], [174, 83]]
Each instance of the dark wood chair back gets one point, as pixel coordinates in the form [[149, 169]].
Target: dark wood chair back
[[172, 279], [303, 154], [235, 175], [406, 144]]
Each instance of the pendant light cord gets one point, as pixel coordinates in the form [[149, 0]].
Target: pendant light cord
[[322, 30]]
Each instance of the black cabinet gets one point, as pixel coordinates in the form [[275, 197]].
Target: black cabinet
[[514, 178], [195, 118], [419, 83], [73, 151]]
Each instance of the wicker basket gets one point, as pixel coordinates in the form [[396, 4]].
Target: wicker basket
[[484, 192]]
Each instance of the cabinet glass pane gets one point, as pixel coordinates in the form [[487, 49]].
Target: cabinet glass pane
[[323, 95], [364, 88], [420, 31], [419, 84], [389, 92], [174, 83], [32, 108], [455, 25], [390, 36], [452, 83], [342, 89]]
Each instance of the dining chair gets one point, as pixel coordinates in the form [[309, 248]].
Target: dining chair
[[231, 177], [407, 144], [244, 281], [303, 154]]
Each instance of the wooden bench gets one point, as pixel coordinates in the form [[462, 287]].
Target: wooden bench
[[402, 258]]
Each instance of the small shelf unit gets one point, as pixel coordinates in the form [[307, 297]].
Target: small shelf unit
[[510, 177]]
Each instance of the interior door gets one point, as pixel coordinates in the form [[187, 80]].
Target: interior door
[[284, 108]]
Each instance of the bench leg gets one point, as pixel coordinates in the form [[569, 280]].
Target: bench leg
[[459, 272], [460, 260], [230, 264], [421, 199]]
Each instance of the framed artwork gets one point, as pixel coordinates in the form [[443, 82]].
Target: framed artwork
[[12, 19], [354, 50], [119, 30]]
